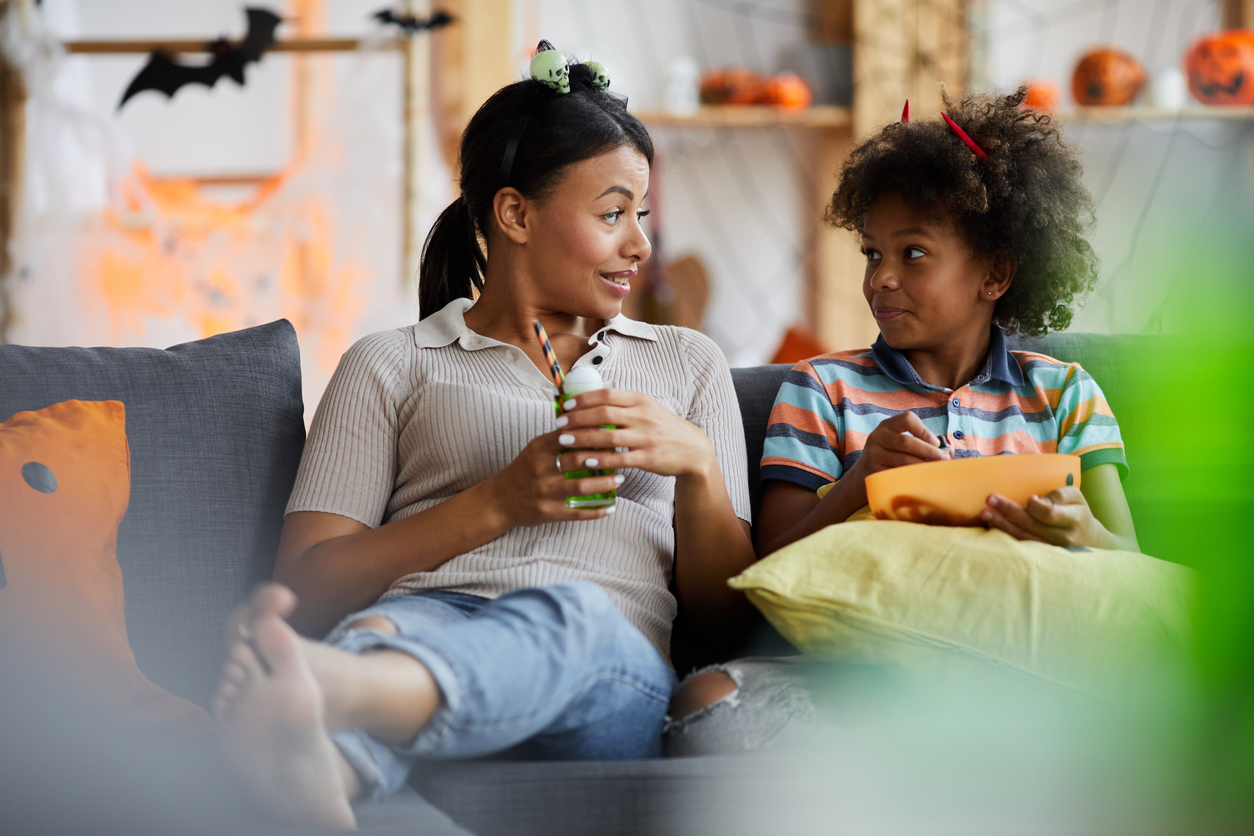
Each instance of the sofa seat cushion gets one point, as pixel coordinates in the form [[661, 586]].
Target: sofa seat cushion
[[216, 429]]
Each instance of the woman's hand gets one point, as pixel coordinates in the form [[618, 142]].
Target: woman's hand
[[900, 440], [1063, 518], [533, 488], [655, 439]]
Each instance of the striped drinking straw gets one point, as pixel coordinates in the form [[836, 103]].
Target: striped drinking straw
[[550, 356]]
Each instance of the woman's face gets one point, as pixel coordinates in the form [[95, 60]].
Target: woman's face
[[926, 287], [587, 240]]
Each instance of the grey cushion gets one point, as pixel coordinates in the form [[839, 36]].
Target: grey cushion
[[216, 428], [756, 388]]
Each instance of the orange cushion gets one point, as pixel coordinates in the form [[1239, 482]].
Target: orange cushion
[[64, 486]]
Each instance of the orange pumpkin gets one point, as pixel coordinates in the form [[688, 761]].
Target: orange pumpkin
[[787, 91], [1107, 76], [1220, 68], [1043, 95], [736, 86]]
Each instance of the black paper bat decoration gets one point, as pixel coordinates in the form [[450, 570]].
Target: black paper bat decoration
[[412, 25], [163, 73]]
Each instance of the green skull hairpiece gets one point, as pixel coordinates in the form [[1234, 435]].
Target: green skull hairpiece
[[549, 68], [600, 75]]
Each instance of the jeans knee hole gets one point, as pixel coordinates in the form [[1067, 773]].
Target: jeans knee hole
[[378, 623]]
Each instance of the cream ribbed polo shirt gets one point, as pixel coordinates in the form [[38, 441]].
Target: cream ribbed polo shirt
[[415, 415]]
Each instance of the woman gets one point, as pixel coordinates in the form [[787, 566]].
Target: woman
[[477, 612]]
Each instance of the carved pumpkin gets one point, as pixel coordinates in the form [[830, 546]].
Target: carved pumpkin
[[1107, 76], [787, 91], [1220, 68], [1043, 95], [738, 86]]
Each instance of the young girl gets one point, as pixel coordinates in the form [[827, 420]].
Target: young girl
[[971, 224], [477, 612]]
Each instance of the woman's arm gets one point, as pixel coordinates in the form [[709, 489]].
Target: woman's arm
[[1095, 515], [712, 544], [337, 565]]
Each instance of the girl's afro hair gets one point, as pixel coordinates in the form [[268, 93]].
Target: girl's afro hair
[[1026, 199]]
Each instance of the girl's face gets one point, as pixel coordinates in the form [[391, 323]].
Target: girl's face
[[587, 239], [927, 288]]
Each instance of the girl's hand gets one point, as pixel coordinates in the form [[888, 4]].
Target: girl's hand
[[532, 490], [656, 439], [900, 440], [1062, 518]]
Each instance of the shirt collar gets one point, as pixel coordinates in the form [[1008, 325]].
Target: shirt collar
[[448, 325], [1000, 364]]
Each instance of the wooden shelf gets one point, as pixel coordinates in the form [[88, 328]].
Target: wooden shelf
[[1154, 114], [750, 116], [187, 45]]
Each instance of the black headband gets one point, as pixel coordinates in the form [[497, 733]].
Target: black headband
[[511, 149]]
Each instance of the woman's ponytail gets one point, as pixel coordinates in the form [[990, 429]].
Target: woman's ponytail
[[452, 262]]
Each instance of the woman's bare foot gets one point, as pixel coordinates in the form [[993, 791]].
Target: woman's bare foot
[[272, 729]]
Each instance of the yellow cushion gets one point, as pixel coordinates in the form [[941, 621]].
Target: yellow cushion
[[921, 596]]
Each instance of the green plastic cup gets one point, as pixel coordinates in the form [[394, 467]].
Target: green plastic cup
[[578, 381]]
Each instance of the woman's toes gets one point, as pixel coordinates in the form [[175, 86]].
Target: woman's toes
[[263, 600]]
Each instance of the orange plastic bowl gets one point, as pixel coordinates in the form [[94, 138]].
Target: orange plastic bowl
[[954, 492]]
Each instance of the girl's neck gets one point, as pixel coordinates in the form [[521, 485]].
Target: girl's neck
[[954, 364]]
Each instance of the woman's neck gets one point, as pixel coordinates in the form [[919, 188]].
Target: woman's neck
[[506, 309], [951, 366]]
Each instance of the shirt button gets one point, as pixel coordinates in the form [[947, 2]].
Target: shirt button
[[601, 335], [958, 434], [596, 361], [957, 402]]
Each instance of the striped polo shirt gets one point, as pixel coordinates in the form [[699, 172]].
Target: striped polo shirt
[[1020, 402]]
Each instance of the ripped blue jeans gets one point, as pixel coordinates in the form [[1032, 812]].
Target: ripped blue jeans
[[555, 672], [770, 707]]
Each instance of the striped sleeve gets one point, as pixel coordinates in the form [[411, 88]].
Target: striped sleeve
[[1086, 425], [802, 437]]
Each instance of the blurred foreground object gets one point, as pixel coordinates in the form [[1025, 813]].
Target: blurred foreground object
[[1106, 76]]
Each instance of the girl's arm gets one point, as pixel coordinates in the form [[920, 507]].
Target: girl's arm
[[337, 565], [791, 512], [1095, 514]]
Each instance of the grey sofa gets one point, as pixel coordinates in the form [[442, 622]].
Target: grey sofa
[[216, 432]]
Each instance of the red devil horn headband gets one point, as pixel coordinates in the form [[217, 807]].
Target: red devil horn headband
[[953, 126]]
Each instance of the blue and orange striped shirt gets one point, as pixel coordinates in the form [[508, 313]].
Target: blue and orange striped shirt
[[1020, 402]]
